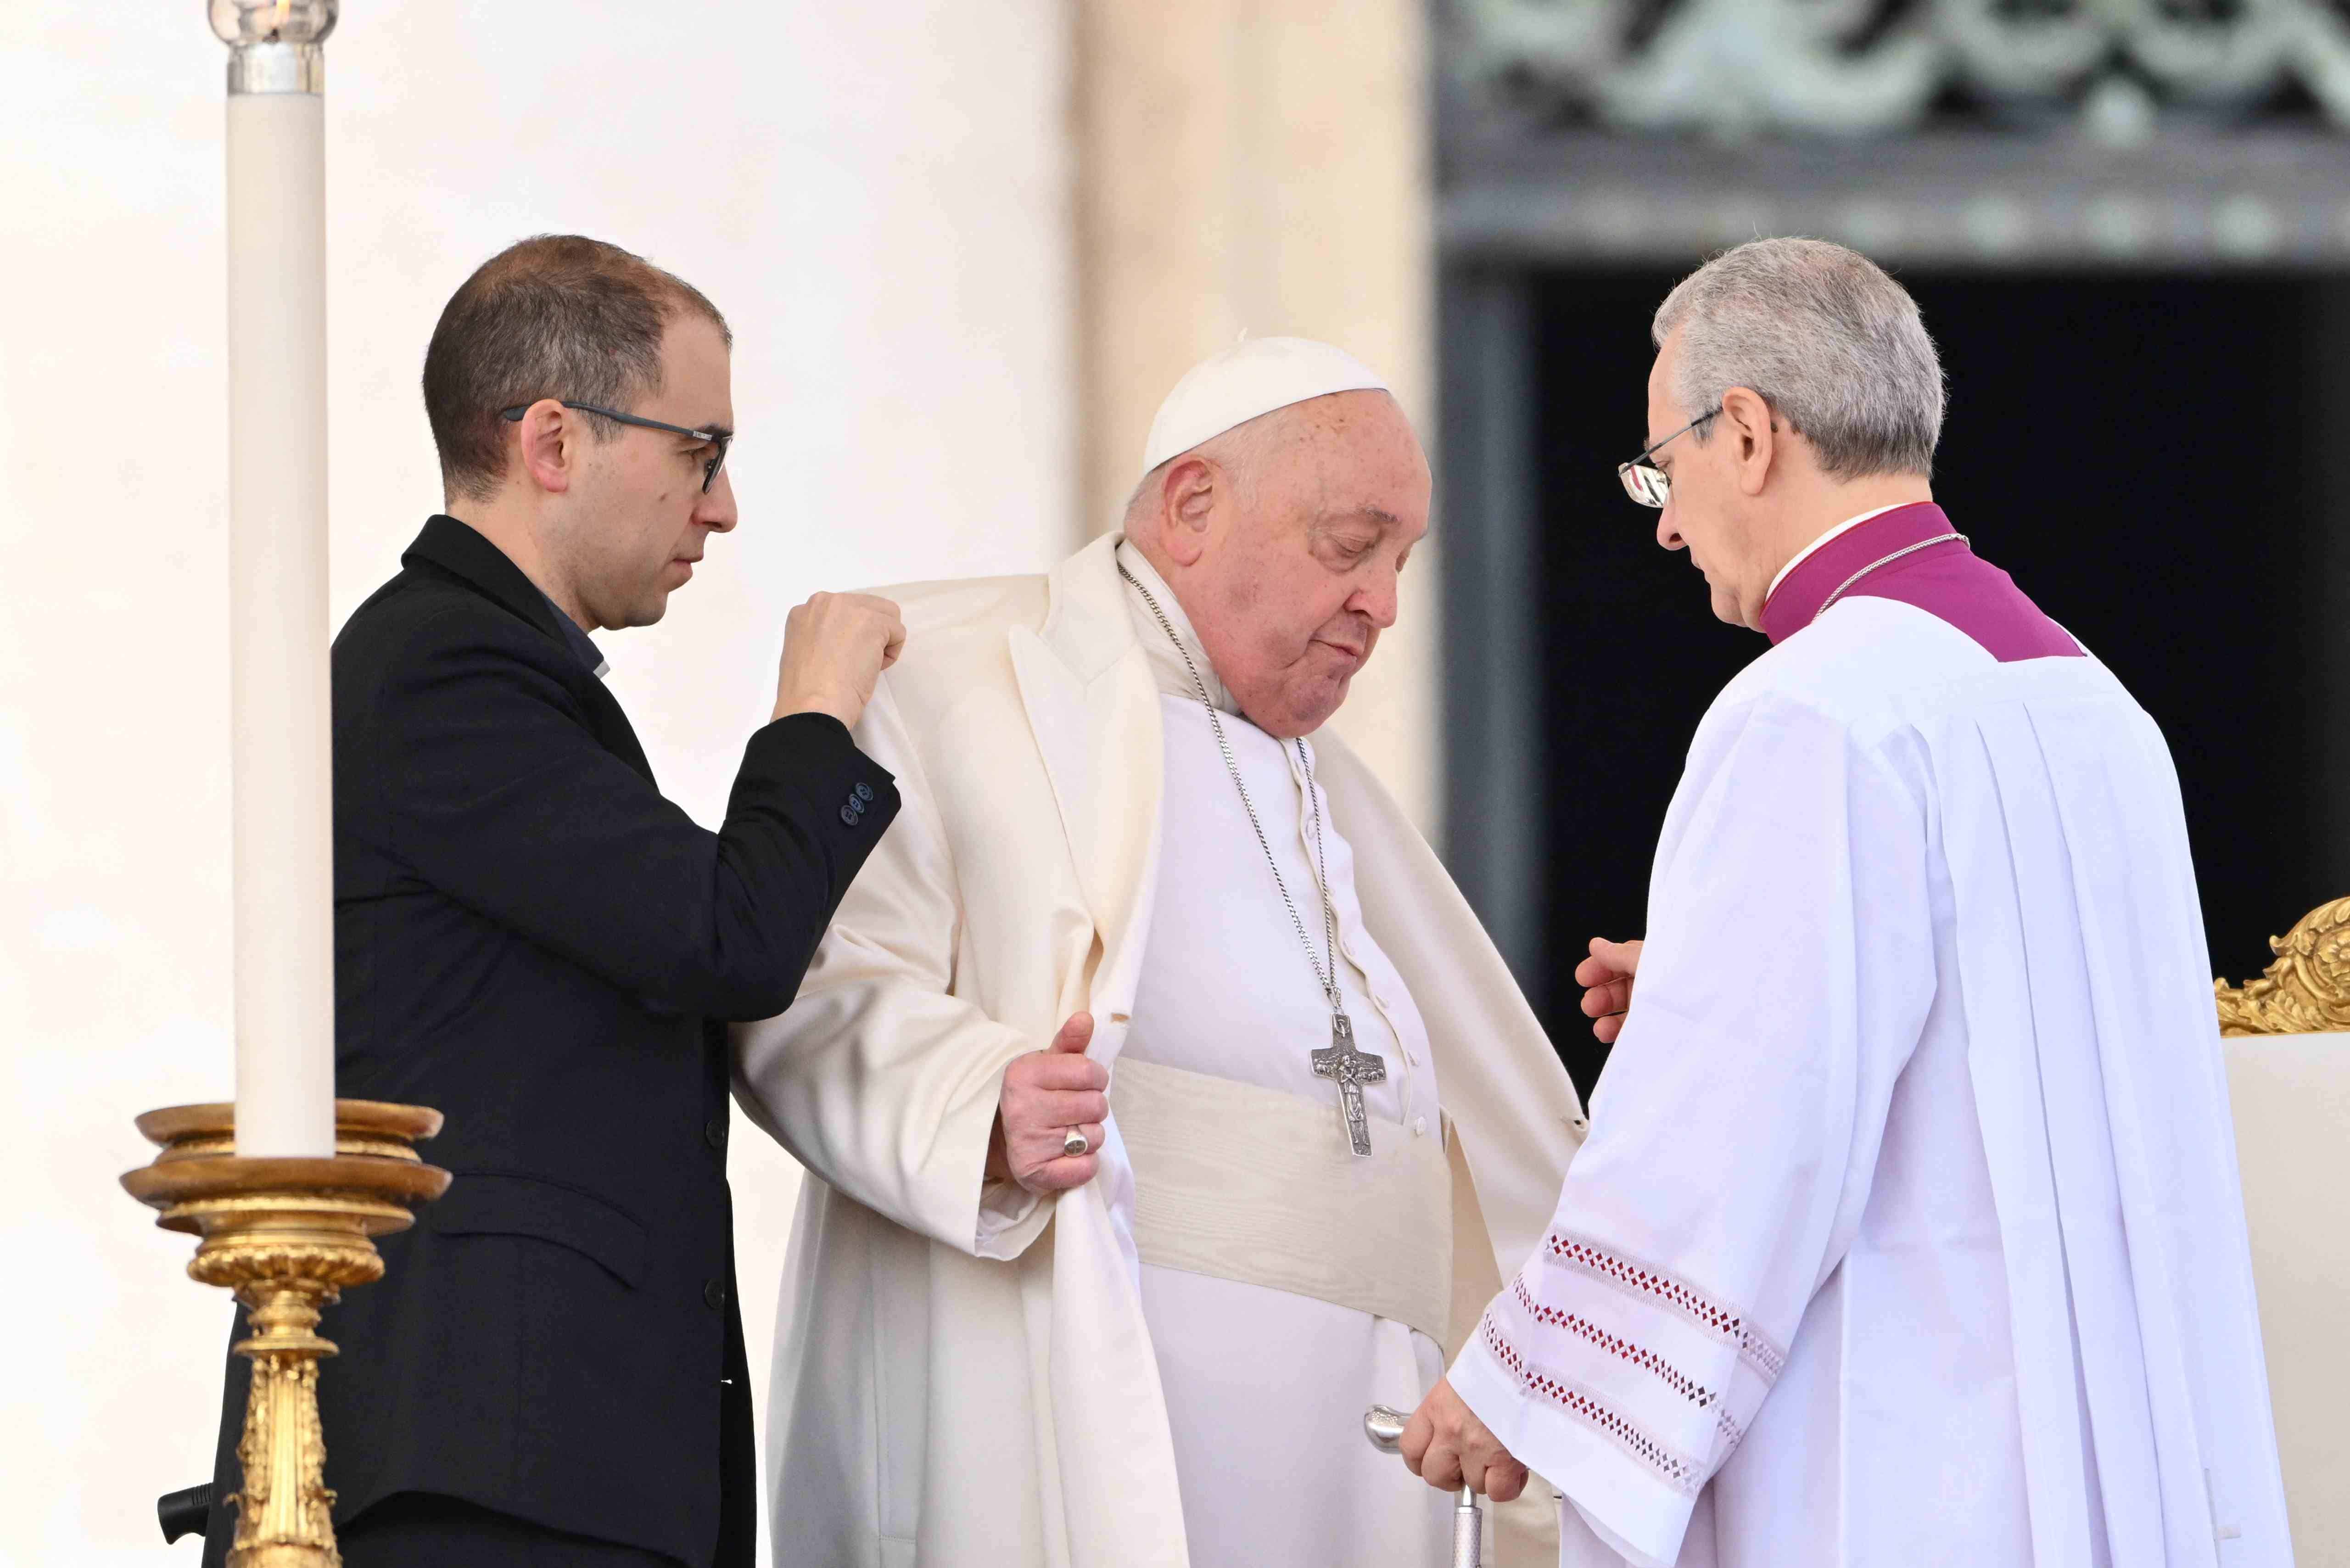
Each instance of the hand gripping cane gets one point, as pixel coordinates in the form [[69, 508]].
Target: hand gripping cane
[[1384, 1427]]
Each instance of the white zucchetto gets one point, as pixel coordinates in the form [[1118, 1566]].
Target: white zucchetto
[[1254, 377]]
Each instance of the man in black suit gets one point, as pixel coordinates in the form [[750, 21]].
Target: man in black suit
[[529, 938]]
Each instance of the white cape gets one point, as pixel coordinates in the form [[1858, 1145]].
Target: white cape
[[944, 1399]]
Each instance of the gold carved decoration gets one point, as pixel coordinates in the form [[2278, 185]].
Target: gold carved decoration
[[288, 1236], [2306, 991]]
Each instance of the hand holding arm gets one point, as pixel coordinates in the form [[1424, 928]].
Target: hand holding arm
[[1606, 979]]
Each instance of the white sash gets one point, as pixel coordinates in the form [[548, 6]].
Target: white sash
[[1246, 1183]]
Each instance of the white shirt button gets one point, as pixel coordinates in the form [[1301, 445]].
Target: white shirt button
[[1420, 1127]]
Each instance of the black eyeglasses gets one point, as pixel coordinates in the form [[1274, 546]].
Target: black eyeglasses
[[1647, 485], [718, 439]]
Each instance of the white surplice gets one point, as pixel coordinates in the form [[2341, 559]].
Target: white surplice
[[1909, 1228], [1265, 1389]]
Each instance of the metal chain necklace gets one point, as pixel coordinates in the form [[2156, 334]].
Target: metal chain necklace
[[1887, 561], [1342, 1062]]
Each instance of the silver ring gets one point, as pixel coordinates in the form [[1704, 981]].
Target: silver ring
[[1075, 1143]]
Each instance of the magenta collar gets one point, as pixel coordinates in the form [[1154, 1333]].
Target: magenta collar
[[1948, 581]]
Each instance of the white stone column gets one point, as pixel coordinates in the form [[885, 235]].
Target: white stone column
[[1261, 165]]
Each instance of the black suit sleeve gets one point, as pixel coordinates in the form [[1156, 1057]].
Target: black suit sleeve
[[491, 787]]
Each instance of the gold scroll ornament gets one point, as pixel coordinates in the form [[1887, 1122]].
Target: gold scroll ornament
[[2306, 991], [288, 1236]]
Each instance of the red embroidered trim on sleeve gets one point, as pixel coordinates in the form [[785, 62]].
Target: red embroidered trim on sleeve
[[1661, 1289], [1677, 1471], [1647, 1360]]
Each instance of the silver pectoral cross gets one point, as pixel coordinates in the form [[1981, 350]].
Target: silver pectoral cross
[[1352, 1069]]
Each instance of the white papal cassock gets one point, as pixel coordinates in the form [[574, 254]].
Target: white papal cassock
[[1266, 1388], [1909, 1228]]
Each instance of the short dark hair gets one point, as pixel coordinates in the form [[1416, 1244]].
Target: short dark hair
[[556, 316]]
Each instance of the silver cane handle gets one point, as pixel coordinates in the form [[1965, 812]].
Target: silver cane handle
[[1384, 1425]]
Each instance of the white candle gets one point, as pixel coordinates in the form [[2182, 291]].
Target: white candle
[[281, 796]]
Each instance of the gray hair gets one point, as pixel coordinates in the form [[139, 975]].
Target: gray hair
[[1824, 337]]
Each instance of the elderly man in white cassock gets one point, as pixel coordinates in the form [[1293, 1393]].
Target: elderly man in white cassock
[[1909, 1228], [1028, 1322]]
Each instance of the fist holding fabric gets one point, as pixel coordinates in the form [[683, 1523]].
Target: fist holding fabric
[[1052, 1099], [835, 647]]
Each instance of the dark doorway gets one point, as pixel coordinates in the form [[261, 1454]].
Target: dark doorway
[[2159, 461]]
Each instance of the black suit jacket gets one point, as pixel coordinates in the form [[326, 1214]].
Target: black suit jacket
[[530, 939]]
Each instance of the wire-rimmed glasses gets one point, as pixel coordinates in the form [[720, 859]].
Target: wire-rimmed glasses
[[1647, 484], [717, 437]]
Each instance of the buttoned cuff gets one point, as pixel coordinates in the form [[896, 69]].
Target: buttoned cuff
[[814, 756]]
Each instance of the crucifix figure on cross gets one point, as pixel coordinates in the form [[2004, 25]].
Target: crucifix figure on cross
[[1352, 1069]]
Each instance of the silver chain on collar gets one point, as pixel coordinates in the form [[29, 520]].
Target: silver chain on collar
[[1907, 549], [1327, 978]]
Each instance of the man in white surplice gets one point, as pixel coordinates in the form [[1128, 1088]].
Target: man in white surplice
[[1016, 1331], [1909, 1228]]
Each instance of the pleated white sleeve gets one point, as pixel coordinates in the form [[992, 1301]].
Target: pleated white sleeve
[[1788, 970]]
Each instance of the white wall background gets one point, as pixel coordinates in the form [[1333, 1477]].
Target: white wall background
[[878, 198]]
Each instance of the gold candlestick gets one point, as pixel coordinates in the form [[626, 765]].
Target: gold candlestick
[[288, 1236]]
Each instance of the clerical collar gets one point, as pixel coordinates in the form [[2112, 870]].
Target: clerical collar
[[583, 646], [1808, 551], [1166, 664]]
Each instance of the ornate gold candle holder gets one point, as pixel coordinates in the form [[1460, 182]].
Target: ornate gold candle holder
[[288, 1236]]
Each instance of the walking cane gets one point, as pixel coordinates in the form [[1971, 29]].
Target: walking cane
[[1384, 1427]]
